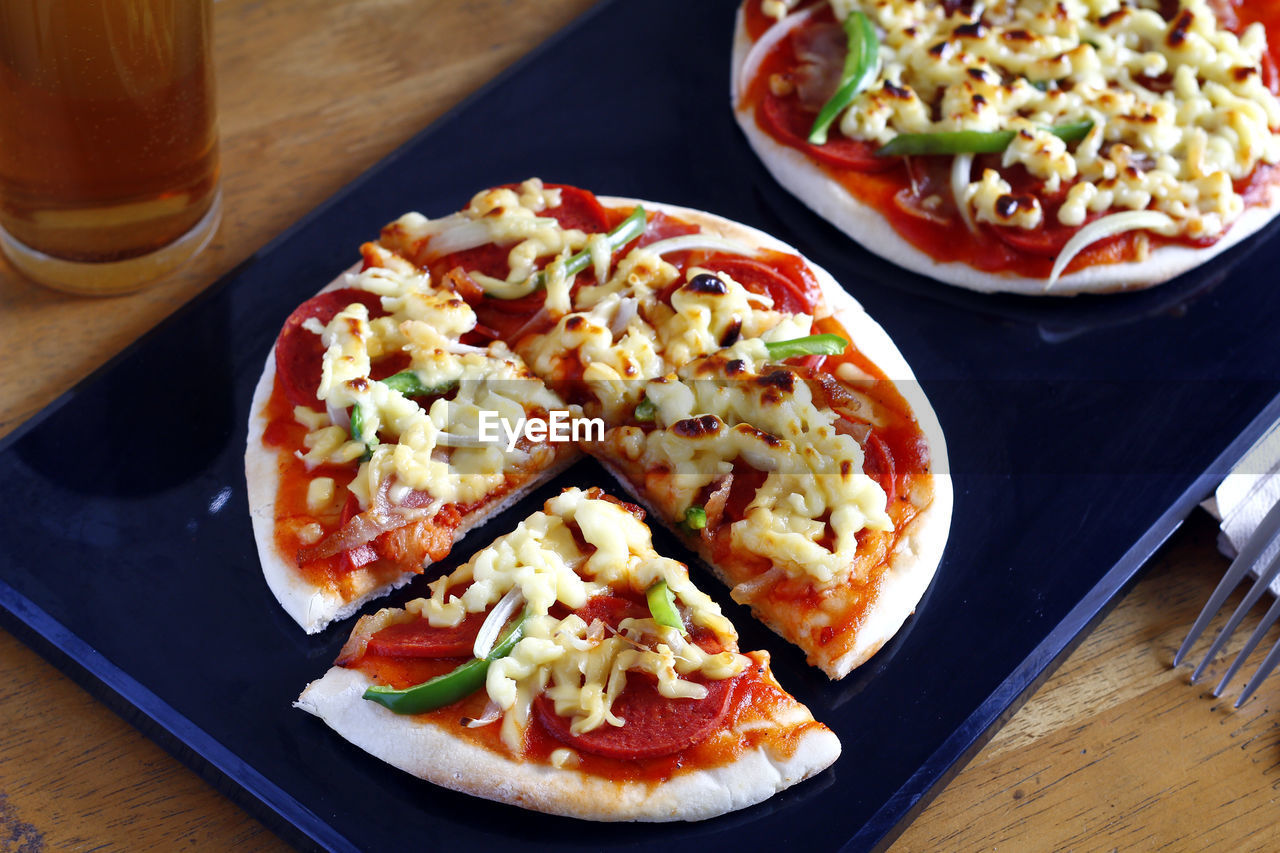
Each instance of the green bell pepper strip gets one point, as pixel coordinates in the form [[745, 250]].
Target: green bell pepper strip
[[972, 141], [450, 687], [811, 345], [859, 69], [662, 606], [695, 518], [357, 432], [622, 234], [409, 384], [646, 409]]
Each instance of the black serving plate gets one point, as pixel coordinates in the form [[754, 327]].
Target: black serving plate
[[1080, 432]]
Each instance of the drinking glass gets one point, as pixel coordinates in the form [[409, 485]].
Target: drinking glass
[[108, 140]]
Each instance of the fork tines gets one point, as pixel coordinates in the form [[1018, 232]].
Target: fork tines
[[1261, 551]]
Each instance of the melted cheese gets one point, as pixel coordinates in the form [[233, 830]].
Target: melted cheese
[[618, 328], [416, 447], [1179, 107], [719, 410], [583, 670]]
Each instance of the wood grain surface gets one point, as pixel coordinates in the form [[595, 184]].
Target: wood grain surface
[[1115, 751]]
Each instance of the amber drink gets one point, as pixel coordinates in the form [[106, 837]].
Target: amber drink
[[108, 139]]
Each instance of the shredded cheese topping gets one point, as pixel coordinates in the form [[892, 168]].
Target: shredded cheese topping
[[1180, 108], [723, 408], [423, 449], [582, 668], [629, 337]]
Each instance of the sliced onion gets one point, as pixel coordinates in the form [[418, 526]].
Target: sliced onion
[[698, 241], [361, 530], [467, 234], [622, 318], [491, 714], [337, 416], [759, 50], [910, 203], [530, 324], [744, 592], [452, 439], [821, 53], [498, 616], [961, 170], [1107, 226], [621, 636], [382, 517], [716, 502]]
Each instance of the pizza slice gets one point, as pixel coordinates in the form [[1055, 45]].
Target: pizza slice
[[1031, 147], [571, 669], [803, 476], [362, 460]]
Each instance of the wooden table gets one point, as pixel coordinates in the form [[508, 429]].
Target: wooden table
[[1116, 750]]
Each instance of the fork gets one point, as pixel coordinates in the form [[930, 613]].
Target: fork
[[1259, 546]]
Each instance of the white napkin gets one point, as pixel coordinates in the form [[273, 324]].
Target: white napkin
[[1246, 495]]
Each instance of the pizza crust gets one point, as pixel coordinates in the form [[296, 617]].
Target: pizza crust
[[919, 547], [808, 182], [426, 749], [313, 608]]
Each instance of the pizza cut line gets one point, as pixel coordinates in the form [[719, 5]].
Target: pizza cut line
[[738, 411], [1030, 147], [570, 669]]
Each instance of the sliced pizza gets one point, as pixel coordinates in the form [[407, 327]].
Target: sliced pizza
[[833, 522], [362, 461], [571, 669], [805, 481], [1030, 147]]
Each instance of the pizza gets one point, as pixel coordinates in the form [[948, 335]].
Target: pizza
[[831, 519], [361, 459], [571, 669], [1030, 147], [807, 490]]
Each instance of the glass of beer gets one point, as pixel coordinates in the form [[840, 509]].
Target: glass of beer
[[108, 140]]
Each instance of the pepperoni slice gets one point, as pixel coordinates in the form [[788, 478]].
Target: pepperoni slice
[[579, 209], [299, 353], [1048, 240], [797, 293], [655, 725], [611, 609], [790, 122], [662, 227], [418, 639]]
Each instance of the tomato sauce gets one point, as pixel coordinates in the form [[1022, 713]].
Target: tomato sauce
[[757, 697], [945, 238], [337, 573]]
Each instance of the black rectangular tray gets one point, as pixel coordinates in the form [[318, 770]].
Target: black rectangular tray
[[1080, 433]]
